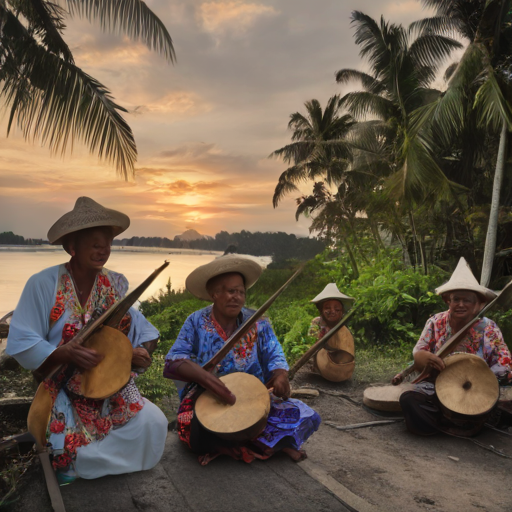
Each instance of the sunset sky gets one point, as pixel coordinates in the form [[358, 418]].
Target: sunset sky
[[205, 126]]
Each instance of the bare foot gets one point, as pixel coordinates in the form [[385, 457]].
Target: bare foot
[[295, 455]]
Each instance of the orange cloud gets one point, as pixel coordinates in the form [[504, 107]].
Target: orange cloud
[[235, 17]]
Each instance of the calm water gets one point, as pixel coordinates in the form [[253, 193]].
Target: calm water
[[18, 264]]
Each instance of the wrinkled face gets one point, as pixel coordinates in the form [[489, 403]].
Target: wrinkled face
[[228, 294], [464, 305], [91, 247], [332, 311]]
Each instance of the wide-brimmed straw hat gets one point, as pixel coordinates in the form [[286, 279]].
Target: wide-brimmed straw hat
[[331, 292], [463, 279], [87, 214], [197, 279]]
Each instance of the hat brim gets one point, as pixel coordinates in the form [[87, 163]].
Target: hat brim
[[70, 223], [198, 278], [484, 292]]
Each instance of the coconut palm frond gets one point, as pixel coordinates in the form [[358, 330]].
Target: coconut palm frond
[[443, 25], [287, 182], [46, 20], [491, 104], [431, 49], [369, 36], [360, 104], [131, 17], [54, 101], [369, 83], [449, 71]]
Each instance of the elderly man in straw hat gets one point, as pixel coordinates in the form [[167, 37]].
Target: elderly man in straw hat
[[465, 298], [224, 282], [89, 438], [337, 362]]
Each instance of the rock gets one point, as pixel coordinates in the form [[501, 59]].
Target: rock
[[305, 393]]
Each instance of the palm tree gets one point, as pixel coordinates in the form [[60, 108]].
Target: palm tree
[[402, 68], [482, 77], [53, 100], [318, 147]]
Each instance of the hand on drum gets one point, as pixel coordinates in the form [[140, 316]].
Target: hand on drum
[[80, 356], [188, 371], [280, 384], [141, 358], [424, 359]]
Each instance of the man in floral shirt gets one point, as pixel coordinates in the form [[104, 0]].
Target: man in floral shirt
[[259, 353], [465, 298]]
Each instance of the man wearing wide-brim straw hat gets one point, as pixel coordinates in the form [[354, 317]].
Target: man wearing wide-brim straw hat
[[336, 361], [89, 437], [465, 297], [223, 282]]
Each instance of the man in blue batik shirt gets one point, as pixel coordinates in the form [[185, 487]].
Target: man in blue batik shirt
[[290, 422]]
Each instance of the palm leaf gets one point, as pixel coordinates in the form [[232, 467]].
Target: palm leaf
[[360, 104], [132, 17], [445, 25], [431, 49], [369, 83], [54, 101], [287, 182], [492, 107]]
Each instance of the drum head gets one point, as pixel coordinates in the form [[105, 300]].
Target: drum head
[[385, 398], [467, 385], [113, 372], [244, 420], [39, 415]]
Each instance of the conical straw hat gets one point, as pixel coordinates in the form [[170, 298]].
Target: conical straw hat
[[87, 214], [467, 385], [197, 279], [331, 292], [463, 279]]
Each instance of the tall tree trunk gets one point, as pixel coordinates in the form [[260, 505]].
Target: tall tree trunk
[[353, 261], [492, 228], [414, 239]]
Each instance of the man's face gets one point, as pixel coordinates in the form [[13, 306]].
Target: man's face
[[464, 305], [228, 295], [332, 311], [92, 247]]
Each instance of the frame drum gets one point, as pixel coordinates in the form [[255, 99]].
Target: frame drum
[[467, 386], [243, 421], [113, 372]]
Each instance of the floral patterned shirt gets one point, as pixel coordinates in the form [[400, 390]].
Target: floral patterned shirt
[[318, 328], [483, 339], [258, 352]]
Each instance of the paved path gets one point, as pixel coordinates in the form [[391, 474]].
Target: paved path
[[179, 484]]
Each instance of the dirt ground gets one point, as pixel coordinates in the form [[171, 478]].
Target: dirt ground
[[395, 470]]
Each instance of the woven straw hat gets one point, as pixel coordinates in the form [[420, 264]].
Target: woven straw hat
[[331, 292], [197, 279], [463, 279], [87, 214]]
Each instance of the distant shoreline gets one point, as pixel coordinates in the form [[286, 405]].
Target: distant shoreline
[[115, 248]]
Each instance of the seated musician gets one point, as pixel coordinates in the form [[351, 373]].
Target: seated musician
[[465, 298], [290, 422], [332, 305], [89, 438]]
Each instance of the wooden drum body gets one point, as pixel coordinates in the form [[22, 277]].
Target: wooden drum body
[[244, 420], [336, 362]]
